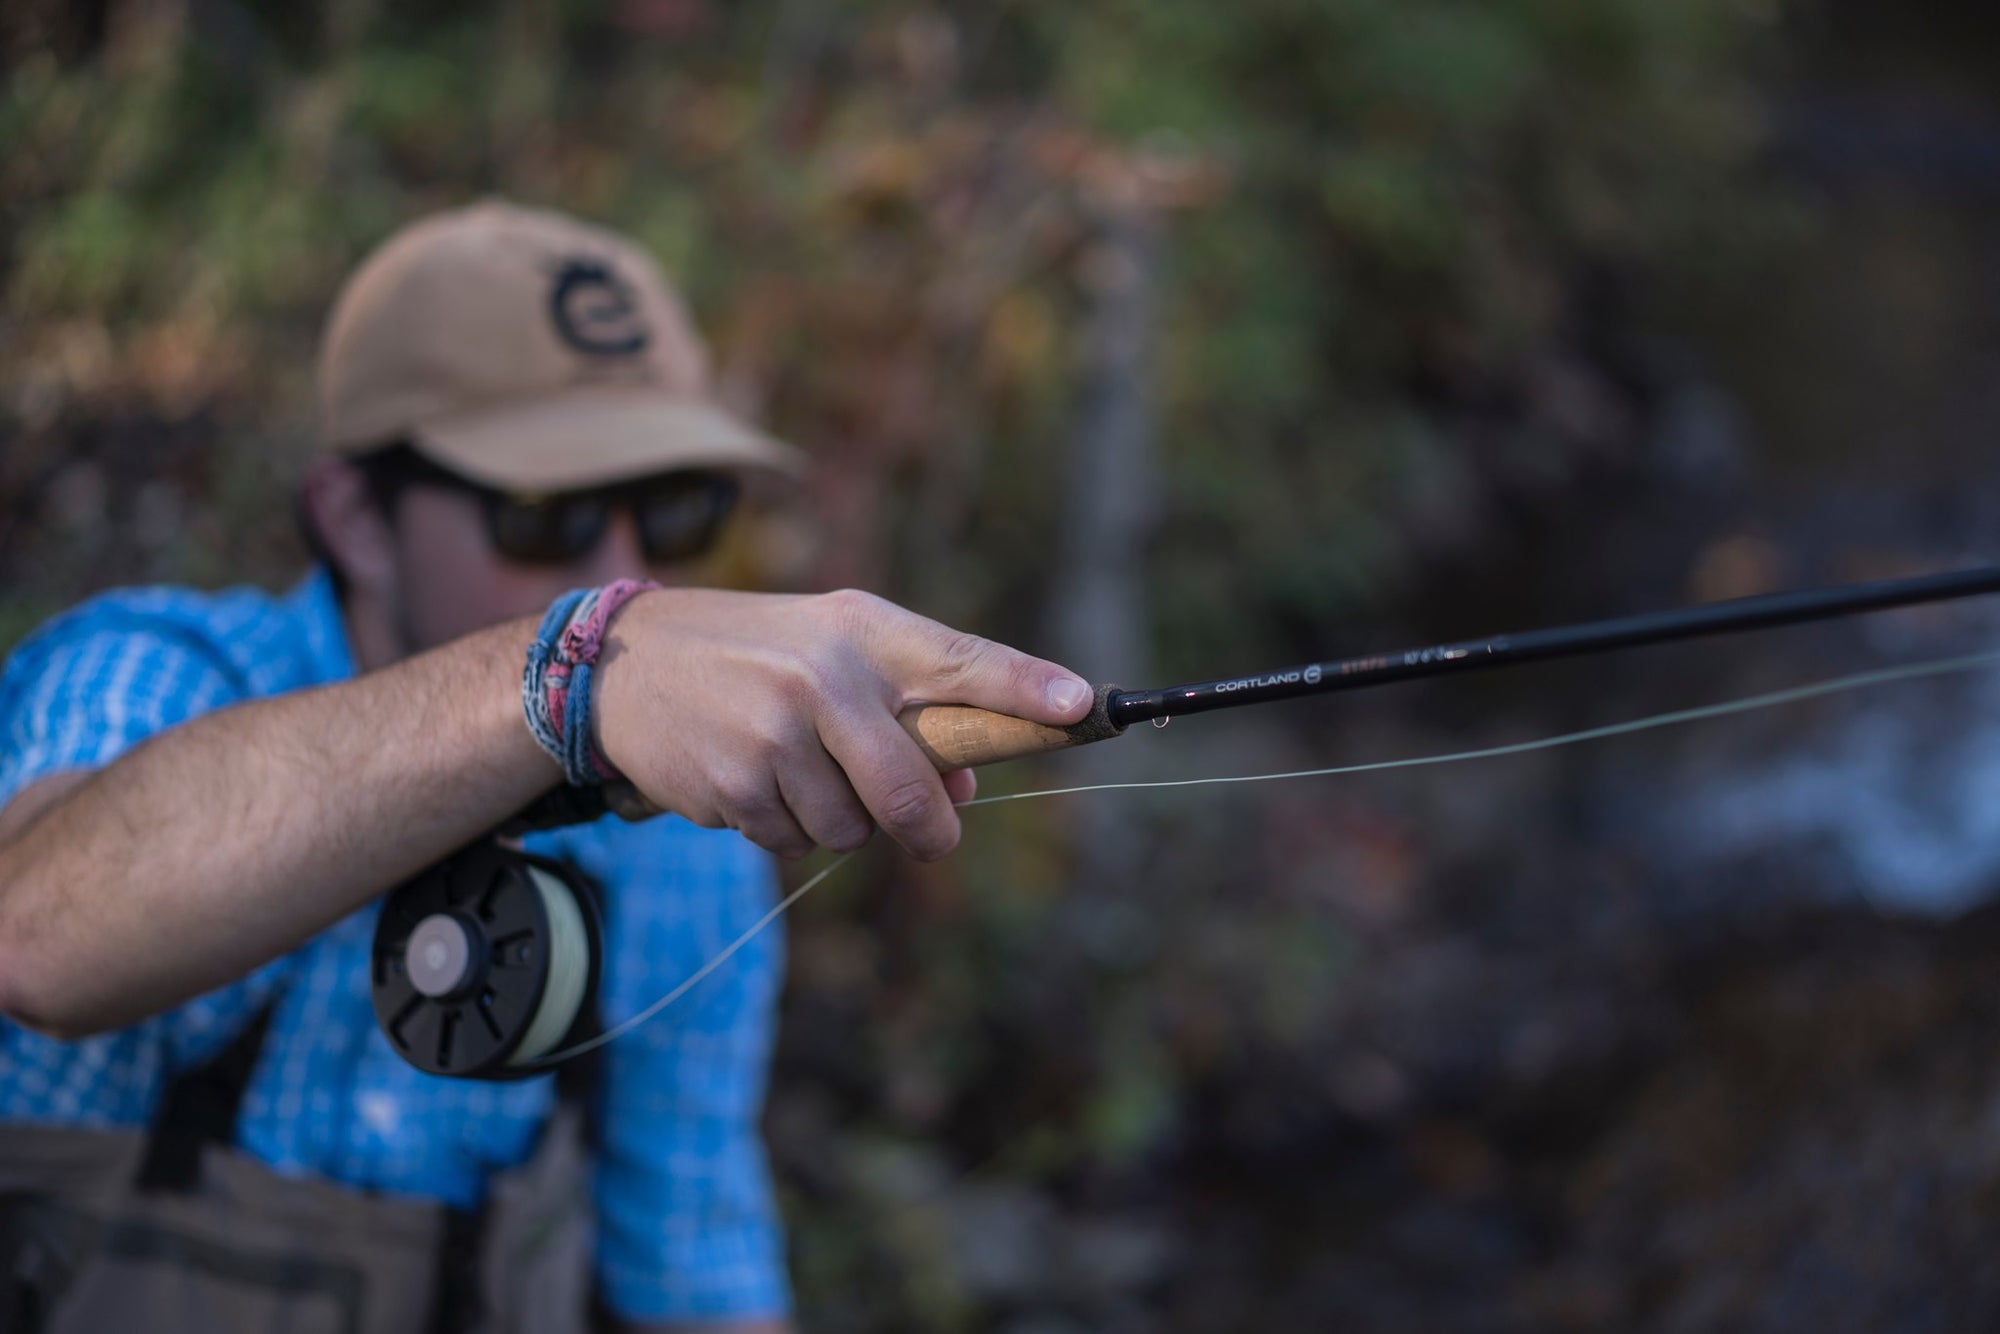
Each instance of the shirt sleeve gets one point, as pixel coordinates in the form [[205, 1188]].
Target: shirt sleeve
[[688, 1229], [92, 685]]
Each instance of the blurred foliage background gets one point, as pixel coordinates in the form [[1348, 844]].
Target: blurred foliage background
[[1172, 339]]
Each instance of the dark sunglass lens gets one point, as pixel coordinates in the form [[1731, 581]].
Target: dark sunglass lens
[[681, 520], [552, 531]]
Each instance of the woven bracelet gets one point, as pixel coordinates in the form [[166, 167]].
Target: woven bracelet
[[556, 683]]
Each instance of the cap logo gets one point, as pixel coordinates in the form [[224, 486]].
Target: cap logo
[[595, 311]]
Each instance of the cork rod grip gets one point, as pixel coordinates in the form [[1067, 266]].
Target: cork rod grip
[[952, 736], [956, 736]]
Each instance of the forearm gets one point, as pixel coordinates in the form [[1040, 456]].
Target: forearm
[[228, 841]]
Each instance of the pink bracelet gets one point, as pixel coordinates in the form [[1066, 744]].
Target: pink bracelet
[[565, 680]]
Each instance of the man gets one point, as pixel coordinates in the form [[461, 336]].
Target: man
[[202, 792]]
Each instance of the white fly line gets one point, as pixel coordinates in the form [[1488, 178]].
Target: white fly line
[[1772, 699]]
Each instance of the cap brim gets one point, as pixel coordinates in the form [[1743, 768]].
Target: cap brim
[[588, 437]]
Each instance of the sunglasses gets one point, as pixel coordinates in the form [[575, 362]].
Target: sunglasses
[[678, 515]]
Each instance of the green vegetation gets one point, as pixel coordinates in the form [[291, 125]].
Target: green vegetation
[[1389, 229]]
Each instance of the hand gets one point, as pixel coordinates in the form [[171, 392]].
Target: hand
[[776, 714]]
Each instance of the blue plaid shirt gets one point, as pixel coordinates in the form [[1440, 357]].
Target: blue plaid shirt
[[686, 1224]]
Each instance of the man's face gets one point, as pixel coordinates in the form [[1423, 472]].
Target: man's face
[[452, 580]]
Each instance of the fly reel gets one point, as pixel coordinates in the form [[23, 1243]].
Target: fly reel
[[486, 963]]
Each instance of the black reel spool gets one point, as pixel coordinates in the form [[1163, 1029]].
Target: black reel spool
[[486, 963]]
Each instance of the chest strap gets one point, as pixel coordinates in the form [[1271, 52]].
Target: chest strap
[[200, 1106]]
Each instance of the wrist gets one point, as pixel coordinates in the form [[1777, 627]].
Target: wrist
[[558, 678]]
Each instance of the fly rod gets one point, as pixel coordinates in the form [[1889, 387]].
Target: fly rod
[[504, 991], [958, 737]]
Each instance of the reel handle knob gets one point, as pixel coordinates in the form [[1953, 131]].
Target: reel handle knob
[[952, 736]]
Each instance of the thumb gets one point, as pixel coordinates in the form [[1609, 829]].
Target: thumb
[[940, 665]]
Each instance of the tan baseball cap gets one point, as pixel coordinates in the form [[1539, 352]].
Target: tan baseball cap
[[526, 350]]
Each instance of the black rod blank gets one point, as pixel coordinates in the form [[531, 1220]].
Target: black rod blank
[[1752, 613]]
